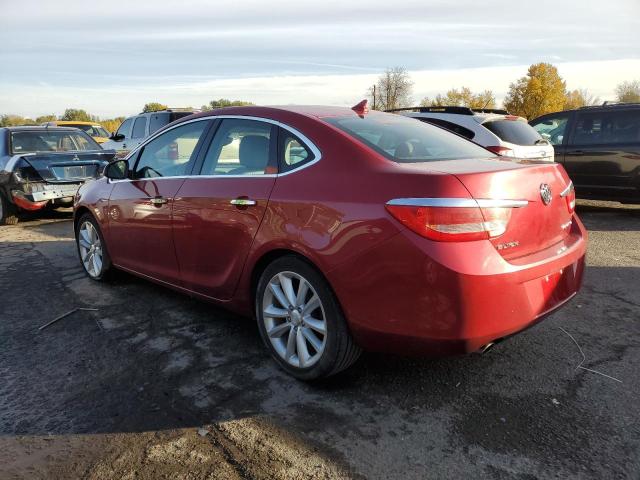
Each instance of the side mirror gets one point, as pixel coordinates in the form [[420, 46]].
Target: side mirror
[[118, 170], [117, 137]]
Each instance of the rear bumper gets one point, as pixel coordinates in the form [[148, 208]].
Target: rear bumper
[[35, 200], [414, 296]]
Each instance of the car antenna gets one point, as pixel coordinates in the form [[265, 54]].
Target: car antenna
[[361, 108]]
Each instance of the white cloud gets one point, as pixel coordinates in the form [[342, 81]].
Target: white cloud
[[599, 77]]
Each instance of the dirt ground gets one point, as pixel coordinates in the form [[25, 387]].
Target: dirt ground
[[157, 385]]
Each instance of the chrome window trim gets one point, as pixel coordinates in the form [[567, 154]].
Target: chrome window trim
[[315, 150], [567, 190], [458, 202]]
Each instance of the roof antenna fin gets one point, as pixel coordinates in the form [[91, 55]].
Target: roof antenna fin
[[361, 108]]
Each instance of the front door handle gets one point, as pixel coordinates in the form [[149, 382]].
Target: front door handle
[[242, 202], [158, 201]]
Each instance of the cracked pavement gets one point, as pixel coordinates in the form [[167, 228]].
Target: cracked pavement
[[158, 385]]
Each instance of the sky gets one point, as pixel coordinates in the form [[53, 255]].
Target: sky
[[112, 57]]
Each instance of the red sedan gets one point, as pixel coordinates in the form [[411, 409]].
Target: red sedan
[[340, 229]]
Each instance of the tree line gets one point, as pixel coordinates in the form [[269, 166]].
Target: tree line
[[110, 124], [542, 90]]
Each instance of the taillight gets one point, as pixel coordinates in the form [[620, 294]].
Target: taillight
[[499, 150], [452, 224], [569, 195]]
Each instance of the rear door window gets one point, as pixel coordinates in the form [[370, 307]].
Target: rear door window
[[517, 132], [607, 128], [240, 147], [139, 128], [157, 121], [552, 129]]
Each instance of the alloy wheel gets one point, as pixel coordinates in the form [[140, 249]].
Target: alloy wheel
[[90, 249], [294, 319]]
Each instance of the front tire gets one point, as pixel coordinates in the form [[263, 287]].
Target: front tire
[[301, 322], [8, 212], [92, 249]]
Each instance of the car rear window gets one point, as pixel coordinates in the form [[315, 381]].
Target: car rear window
[[405, 140], [51, 141], [514, 131]]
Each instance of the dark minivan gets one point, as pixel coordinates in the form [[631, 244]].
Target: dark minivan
[[599, 147]]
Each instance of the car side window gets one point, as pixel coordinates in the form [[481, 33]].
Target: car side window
[[125, 128], [552, 129], [172, 153], [157, 120], [139, 128], [292, 151], [240, 147], [607, 128]]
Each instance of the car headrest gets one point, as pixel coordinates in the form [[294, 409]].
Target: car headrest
[[254, 152]]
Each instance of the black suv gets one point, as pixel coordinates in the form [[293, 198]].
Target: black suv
[[599, 147]]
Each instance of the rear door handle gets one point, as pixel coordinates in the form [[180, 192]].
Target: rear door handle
[[242, 202], [158, 201]]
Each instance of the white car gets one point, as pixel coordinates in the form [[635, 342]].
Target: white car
[[496, 130], [135, 129]]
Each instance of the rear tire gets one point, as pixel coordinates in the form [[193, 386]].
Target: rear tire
[[301, 322], [92, 249], [8, 212]]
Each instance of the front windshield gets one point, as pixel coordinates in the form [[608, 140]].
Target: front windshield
[[407, 140], [51, 141], [93, 130]]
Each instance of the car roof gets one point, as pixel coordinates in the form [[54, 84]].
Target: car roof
[[73, 122], [313, 111], [39, 128]]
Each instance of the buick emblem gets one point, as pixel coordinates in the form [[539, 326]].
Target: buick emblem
[[545, 194]]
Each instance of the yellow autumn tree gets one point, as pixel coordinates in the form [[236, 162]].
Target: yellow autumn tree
[[541, 91]]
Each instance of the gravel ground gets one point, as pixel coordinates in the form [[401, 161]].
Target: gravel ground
[[157, 385]]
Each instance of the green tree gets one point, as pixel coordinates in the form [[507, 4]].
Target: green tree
[[462, 98], [541, 91], [392, 90], [14, 121], [46, 118], [153, 107], [77, 115], [579, 98], [224, 102], [629, 92]]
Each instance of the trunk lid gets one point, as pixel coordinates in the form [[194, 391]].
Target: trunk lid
[[63, 167], [532, 228]]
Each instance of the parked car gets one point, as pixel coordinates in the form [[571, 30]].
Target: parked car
[[44, 166], [135, 129], [93, 129], [599, 147], [340, 229], [496, 130]]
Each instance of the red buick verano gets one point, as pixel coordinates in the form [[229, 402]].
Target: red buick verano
[[341, 229]]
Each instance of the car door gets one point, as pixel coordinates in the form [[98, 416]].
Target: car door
[[555, 128], [217, 213], [140, 208], [602, 157]]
